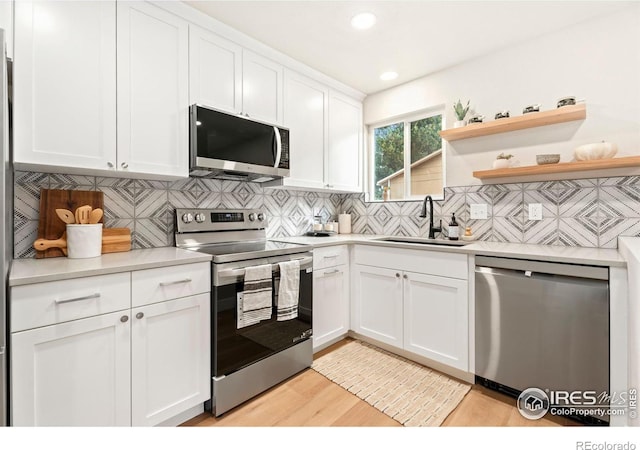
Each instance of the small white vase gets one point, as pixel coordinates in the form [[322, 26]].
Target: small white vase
[[501, 164], [459, 123]]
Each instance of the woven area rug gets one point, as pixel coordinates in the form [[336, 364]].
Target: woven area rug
[[407, 392]]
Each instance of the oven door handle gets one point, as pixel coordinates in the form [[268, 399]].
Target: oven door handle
[[274, 268]]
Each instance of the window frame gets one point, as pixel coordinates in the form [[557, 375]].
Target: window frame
[[371, 160]]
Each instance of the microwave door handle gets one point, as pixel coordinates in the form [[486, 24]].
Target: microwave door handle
[[278, 147]]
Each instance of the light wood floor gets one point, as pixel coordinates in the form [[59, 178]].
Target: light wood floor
[[309, 399]]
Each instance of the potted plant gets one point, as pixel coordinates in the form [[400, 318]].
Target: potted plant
[[461, 113], [502, 161]]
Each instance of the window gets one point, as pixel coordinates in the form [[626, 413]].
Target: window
[[407, 158]]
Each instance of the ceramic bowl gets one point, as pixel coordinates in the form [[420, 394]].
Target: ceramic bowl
[[548, 159]]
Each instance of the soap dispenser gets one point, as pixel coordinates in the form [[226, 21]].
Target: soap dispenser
[[454, 229]]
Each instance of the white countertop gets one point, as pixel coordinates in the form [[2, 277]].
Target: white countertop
[[28, 271], [553, 253]]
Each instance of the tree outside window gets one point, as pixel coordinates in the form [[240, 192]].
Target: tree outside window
[[418, 174]]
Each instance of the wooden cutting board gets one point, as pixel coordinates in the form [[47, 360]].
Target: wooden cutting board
[[113, 240], [116, 240], [50, 226]]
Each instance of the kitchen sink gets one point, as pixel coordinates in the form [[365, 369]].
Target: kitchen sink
[[425, 241]]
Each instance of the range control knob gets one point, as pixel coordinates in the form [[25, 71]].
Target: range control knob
[[200, 217], [252, 217], [187, 217], [260, 217]]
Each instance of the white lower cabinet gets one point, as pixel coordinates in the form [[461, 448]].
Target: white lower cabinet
[[330, 295], [74, 373], [426, 314], [330, 304], [168, 376], [83, 356], [436, 318], [377, 304]]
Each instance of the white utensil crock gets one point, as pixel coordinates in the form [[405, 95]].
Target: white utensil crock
[[84, 240]]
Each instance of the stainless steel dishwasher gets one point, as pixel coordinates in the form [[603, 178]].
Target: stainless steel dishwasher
[[543, 325]]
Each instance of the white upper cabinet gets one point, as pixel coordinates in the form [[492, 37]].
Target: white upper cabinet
[[305, 107], [262, 88], [153, 90], [104, 87], [229, 78], [344, 155], [215, 66], [64, 85], [6, 23], [325, 136]]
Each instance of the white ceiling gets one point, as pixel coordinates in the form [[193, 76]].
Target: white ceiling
[[413, 38]]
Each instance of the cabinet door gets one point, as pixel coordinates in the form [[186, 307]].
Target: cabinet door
[[153, 85], [377, 304], [330, 304], [305, 114], [215, 71], [73, 374], [171, 350], [436, 319], [344, 158], [262, 86], [65, 84]]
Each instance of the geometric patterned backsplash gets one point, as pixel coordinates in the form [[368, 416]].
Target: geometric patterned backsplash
[[585, 213], [147, 207]]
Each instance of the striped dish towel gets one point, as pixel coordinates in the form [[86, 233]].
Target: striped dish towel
[[255, 302], [289, 290]]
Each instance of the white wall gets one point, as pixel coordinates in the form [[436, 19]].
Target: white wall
[[597, 60]]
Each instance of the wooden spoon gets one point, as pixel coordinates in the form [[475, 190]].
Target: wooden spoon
[[95, 215], [65, 215], [82, 214]]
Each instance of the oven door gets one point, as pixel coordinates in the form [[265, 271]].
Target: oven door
[[234, 348]]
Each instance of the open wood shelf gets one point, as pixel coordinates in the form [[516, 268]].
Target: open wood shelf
[[577, 166], [531, 120]]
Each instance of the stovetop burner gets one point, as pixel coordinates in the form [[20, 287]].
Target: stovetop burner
[[229, 234]]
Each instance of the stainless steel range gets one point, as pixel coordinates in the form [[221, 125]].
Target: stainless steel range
[[260, 330]]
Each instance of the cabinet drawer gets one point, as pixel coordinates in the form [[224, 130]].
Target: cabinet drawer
[[166, 283], [330, 256], [40, 304], [445, 264]]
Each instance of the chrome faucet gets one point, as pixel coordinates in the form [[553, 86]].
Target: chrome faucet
[[432, 230]]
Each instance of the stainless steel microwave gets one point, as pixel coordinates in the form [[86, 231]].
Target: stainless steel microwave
[[236, 147]]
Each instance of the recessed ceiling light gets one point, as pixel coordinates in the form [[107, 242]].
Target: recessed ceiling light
[[363, 21], [387, 76]]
